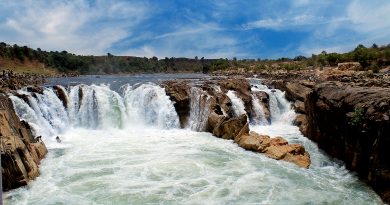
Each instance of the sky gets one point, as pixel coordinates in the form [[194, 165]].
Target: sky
[[184, 28]]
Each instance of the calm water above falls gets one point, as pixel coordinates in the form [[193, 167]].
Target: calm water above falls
[[125, 148]]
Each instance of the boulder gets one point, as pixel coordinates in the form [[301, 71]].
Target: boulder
[[61, 94], [242, 88], [21, 152], [178, 92], [350, 66], [229, 128], [296, 91], [275, 148]]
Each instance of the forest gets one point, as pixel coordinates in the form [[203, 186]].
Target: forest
[[371, 58]]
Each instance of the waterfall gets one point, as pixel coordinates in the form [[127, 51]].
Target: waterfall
[[280, 108], [199, 109], [258, 112], [96, 107], [149, 104], [237, 103]]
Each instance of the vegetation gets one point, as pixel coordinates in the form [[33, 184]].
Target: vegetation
[[374, 58], [357, 116]]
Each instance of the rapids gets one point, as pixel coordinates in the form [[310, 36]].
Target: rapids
[[125, 147]]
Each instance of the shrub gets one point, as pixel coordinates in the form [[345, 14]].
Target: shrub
[[357, 116]]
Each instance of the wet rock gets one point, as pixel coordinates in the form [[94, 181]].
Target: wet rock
[[222, 123], [20, 153], [302, 123], [299, 107], [60, 92], [229, 128], [275, 148], [35, 89], [178, 92], [263, 99], [242, 88], [350, 123]]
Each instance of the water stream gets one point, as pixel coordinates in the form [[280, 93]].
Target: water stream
[[125, 147]]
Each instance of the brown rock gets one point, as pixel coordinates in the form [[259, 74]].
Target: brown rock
[[178, 92], [230, 128], [296, 91], [302, 123], [21, 153], [275, 148], [61, 95], [350, 123]]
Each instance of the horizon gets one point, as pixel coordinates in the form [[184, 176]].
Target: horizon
[[262, 29]]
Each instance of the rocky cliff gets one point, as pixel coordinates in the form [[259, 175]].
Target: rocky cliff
[[20, 151], [350, 122], [214, 107]]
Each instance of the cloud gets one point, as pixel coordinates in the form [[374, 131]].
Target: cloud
[[291, 22], [232, 28], [78, 27]]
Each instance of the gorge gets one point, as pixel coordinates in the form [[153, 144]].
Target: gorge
[[151, 141]]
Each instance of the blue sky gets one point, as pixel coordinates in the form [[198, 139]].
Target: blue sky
[[183, 28]]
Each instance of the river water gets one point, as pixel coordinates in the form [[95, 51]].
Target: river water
[[122, 145]]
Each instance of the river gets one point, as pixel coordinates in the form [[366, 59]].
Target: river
[[121, 144]]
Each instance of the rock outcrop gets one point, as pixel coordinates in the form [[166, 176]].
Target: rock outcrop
[[276, 148], [350, 122], [20, 151], [221, 121]]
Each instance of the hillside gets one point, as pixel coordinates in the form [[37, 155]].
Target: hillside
[[25, 59]]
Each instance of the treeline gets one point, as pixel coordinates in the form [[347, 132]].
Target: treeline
[[68, 62], [374, 57], [370, 58]]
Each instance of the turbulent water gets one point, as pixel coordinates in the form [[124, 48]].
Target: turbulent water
[[126, 147]]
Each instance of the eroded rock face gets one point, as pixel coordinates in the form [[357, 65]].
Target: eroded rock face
[[61, 95], [178, 91], [350, 122], [222, 122], [276, 148], [263, 99], [20, 153]]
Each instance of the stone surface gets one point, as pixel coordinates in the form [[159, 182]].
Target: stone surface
[[20, 151], [222, 123], [350, 122], [275, 148]]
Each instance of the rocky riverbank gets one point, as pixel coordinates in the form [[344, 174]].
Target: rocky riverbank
[[21, 152], [216, 115], [10, 80], [347, 114]]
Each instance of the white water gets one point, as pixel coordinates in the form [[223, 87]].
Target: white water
[[145, 164], [237, 103], [199, 109], [259, 116]]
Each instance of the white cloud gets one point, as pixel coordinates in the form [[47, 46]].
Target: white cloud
[[74, 27], [371, 18], [306, 21]]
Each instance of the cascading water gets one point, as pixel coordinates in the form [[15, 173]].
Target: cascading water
[[140, 164], [149, 104], [96, 107], [199, 109], [237, 103], [258, 113]]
